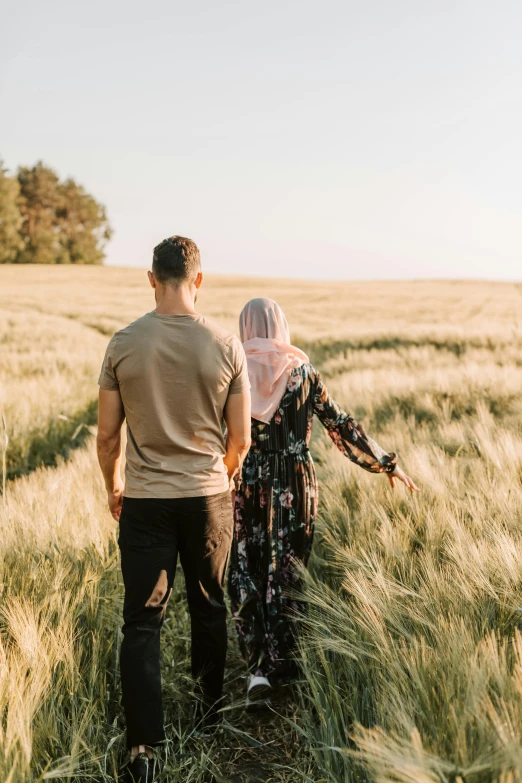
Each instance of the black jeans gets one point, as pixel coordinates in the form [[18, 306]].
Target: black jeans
[[152, 533]]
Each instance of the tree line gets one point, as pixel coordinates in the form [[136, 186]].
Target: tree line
[[47, 221]]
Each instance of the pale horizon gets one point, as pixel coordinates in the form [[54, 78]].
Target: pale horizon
[[334, 142], [304, 278]]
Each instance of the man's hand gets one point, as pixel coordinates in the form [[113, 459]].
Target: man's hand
[[399, 474], [115, 500]]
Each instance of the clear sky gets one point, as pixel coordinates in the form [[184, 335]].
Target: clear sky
[[340, 139]]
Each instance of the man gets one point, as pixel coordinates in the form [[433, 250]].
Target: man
[[173, 376]]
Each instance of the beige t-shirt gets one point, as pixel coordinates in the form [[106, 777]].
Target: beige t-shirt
[[174, 374]]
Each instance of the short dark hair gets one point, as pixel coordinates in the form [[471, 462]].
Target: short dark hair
[[175, 260]]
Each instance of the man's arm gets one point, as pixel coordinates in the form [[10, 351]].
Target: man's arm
[[237, 419], [108, 444]]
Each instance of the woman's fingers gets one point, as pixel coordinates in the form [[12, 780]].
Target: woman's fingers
[[401, 475], [410, 484]]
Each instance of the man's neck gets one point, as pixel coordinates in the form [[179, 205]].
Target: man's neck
[[175, 301]]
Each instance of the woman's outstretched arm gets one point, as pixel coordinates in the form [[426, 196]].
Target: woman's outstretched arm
[[351, 439]]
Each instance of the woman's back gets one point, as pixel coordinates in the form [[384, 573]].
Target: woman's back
[[289, 429], [276, 499]]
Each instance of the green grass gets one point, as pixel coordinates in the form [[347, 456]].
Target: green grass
[[411, 645], [51, 442]]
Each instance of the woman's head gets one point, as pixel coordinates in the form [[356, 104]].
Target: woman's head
[[270, 356], [263, 318]]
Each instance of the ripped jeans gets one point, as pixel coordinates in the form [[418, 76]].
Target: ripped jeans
[[152, 533]]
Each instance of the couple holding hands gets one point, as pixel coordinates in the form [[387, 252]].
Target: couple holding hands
[[245, 502]]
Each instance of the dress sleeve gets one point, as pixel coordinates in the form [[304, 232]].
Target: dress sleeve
[[347, 434]]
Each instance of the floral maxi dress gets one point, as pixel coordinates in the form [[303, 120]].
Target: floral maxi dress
[[275, 511]]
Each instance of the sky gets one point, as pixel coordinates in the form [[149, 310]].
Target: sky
[[334, 139]]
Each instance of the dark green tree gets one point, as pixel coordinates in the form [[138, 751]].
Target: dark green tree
[[61, 222], [84, 227], [10, 217], [39, 188]]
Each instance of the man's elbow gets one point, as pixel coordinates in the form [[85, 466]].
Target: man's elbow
[[105, 440], [240, 443], [244, 444]]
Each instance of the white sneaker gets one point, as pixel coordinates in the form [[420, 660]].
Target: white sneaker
[[258, 691]]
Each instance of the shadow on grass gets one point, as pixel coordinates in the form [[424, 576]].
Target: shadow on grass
[[430, 409], [321, 350], [43, 446]]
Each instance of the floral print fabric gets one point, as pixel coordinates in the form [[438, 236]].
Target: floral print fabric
[[275, 511]]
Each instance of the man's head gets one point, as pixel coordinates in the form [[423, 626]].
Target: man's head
[[176, 262]]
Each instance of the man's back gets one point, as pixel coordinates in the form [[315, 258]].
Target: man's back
[[174, 374]]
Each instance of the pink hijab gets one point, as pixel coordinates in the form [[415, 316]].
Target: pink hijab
[[270, 356]]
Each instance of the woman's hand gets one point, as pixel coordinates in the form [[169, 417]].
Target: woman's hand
[[399, 474]]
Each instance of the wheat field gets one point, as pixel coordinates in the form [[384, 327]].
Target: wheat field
[[411, 647]]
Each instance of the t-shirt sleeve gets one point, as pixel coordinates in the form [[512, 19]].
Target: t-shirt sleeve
[[240, 381], [108, 379]]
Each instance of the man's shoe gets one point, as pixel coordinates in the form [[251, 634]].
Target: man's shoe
[[140, 770], [258, 692]]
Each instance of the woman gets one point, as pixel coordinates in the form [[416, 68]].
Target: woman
[[276, 499]]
